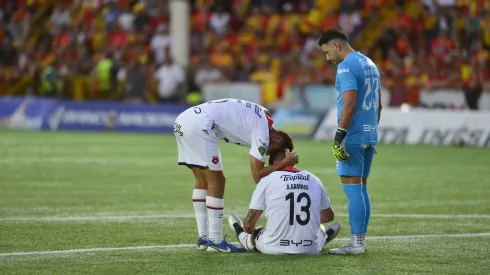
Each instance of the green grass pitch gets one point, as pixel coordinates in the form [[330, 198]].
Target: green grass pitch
[[106, 203]]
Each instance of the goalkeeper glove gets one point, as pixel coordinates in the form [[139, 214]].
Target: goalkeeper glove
[[338, 148]]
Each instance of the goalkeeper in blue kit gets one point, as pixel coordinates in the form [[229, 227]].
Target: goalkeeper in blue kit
[[358, 112]]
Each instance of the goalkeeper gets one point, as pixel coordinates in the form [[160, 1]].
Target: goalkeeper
[[358, 112]]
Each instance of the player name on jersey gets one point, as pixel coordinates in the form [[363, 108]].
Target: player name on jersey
[[297, 186]]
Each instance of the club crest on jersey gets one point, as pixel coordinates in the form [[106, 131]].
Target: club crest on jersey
[[262, 147], [215, 160]]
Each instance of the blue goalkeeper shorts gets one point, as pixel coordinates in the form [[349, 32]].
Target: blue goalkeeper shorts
[[359, 162]]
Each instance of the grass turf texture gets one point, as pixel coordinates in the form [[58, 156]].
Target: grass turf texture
[[62, 191]]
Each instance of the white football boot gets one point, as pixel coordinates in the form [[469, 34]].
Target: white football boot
[[332, 231], [348, 249], [235, 225]]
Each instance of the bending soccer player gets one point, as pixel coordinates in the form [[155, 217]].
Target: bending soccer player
[[197, 131], [358, 113], [295, 204]]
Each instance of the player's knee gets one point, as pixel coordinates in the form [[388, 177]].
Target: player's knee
[[220, 178], [216, 183], [201, 182]]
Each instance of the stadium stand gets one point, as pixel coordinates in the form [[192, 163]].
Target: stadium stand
[[120, 49]]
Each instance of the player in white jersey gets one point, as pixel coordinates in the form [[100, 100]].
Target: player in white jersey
[[197, 131], [295, 204]]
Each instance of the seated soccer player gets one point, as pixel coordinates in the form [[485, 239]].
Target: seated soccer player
[[295, 204]]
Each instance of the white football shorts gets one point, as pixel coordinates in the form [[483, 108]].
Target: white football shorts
[[315, 249], [196, 140]]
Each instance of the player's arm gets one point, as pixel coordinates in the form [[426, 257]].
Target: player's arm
[[258, 156], [259, 170], [349, 108], [348, 89], [256, 207], [326, 212], [251, 219]]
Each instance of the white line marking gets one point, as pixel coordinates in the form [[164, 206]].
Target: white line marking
[[170, 246], [191, 216], [432, 216]]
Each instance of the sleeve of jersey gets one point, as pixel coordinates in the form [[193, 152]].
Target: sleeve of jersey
[[260, 143], [258, 197], [346, 78]]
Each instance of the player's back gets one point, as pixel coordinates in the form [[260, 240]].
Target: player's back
[[293, 205], [236, 120], [358, 72]]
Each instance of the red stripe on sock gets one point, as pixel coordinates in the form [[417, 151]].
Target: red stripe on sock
[[199, 200], [215, 208]]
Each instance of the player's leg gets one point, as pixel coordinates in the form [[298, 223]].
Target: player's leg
[[201, 154], [351, 172], [326, 235], [215, 203], [200, 188], [236, 227], [368, 161], [200, 210]]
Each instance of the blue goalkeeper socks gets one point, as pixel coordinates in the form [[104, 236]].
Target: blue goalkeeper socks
[[357, 206], [367, 202]]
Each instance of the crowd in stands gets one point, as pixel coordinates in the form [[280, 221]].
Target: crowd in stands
[[121, 49]]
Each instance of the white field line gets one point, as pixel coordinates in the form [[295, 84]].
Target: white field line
[[173, 246], [191, 216]]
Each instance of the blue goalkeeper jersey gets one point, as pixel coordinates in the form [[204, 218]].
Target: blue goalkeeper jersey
[[358, 72]]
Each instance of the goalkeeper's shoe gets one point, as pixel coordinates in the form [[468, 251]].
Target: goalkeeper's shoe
[[348, 249], [332, 231], [202, 244], [224, 246], [235, 225]]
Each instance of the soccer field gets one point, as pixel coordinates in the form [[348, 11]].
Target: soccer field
[[118, 204]]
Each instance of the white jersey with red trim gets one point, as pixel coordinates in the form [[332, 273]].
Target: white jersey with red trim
[[292, 201], [240, 122]]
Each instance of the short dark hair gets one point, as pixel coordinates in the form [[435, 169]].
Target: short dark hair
[[331, 34], [287, 143]]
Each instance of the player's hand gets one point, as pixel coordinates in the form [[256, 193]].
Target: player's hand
[[290, 158], [338, 148], [248, 228]]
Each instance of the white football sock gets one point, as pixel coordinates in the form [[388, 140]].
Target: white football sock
[[246, 241], [357, 240], [201, 212], [215, 217]]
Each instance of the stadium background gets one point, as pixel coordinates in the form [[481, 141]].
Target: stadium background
[[72, 201]]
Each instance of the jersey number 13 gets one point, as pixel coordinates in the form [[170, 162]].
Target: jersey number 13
[[304, 208]]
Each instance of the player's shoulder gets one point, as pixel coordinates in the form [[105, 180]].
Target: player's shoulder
[[349, 64], [312, 177], [267, 180]]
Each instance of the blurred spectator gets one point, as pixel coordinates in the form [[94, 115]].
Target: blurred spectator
[[160, 43], [208, 73], [219, 20], [170, 78], [60, 16], [136, 87]]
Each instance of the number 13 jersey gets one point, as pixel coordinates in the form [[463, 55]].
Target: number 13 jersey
[[292, 201]]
